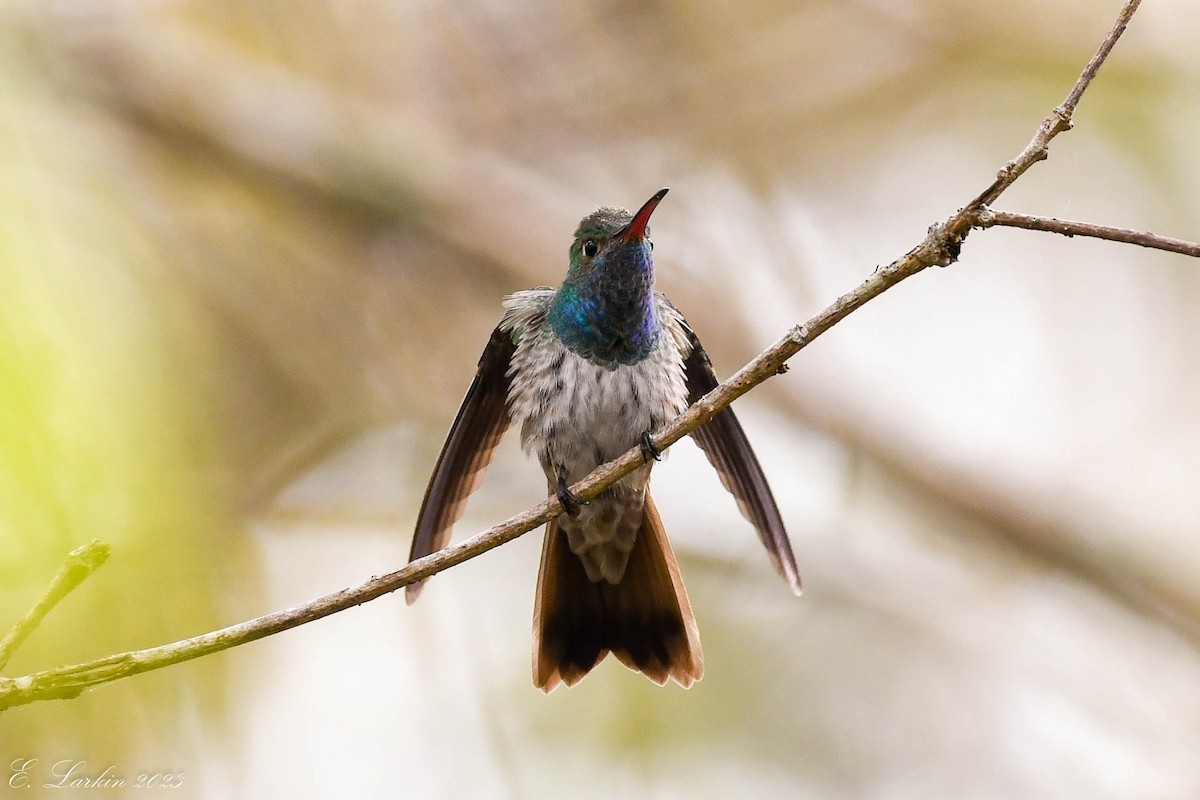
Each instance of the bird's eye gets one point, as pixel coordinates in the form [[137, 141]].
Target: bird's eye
[[651, 244], [590, 248]]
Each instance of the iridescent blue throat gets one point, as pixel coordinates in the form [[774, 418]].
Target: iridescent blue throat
[[606, 314]]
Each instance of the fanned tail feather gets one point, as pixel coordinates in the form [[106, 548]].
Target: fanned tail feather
[[645, 620]]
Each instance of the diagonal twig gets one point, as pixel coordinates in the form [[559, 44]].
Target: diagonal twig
[[65, 682], [1060, 119], [81, 562]]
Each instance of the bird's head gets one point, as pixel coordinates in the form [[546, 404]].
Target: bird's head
[[611, 241]]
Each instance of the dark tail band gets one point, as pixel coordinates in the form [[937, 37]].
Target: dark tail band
[[645, 620]]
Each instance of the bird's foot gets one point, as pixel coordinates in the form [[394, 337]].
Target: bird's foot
[[649, 451], [568, 499]]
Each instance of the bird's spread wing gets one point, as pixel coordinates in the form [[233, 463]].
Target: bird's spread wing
[[476, 431], [724, 442]]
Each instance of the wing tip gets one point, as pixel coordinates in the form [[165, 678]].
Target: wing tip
[[785, 565], [412, 592]]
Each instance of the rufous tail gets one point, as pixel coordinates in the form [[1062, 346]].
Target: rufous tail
[[645, 620]]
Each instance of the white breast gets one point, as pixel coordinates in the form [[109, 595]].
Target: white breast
[[576, 415]]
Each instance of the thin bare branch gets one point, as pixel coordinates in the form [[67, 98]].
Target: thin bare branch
[[939, 247], [1059, 120], [988, 218], [81, 562]]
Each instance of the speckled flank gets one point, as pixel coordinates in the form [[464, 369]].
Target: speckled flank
[[576, 415]]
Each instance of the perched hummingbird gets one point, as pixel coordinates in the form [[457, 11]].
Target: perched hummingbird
[[588, 371]]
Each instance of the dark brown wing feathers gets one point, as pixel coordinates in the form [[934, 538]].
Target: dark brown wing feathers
[[481, 421], [724, 442]]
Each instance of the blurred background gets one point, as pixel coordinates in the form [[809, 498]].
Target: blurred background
[[250, 253]]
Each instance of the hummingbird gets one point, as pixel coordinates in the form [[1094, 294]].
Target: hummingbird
[[588, 371]]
